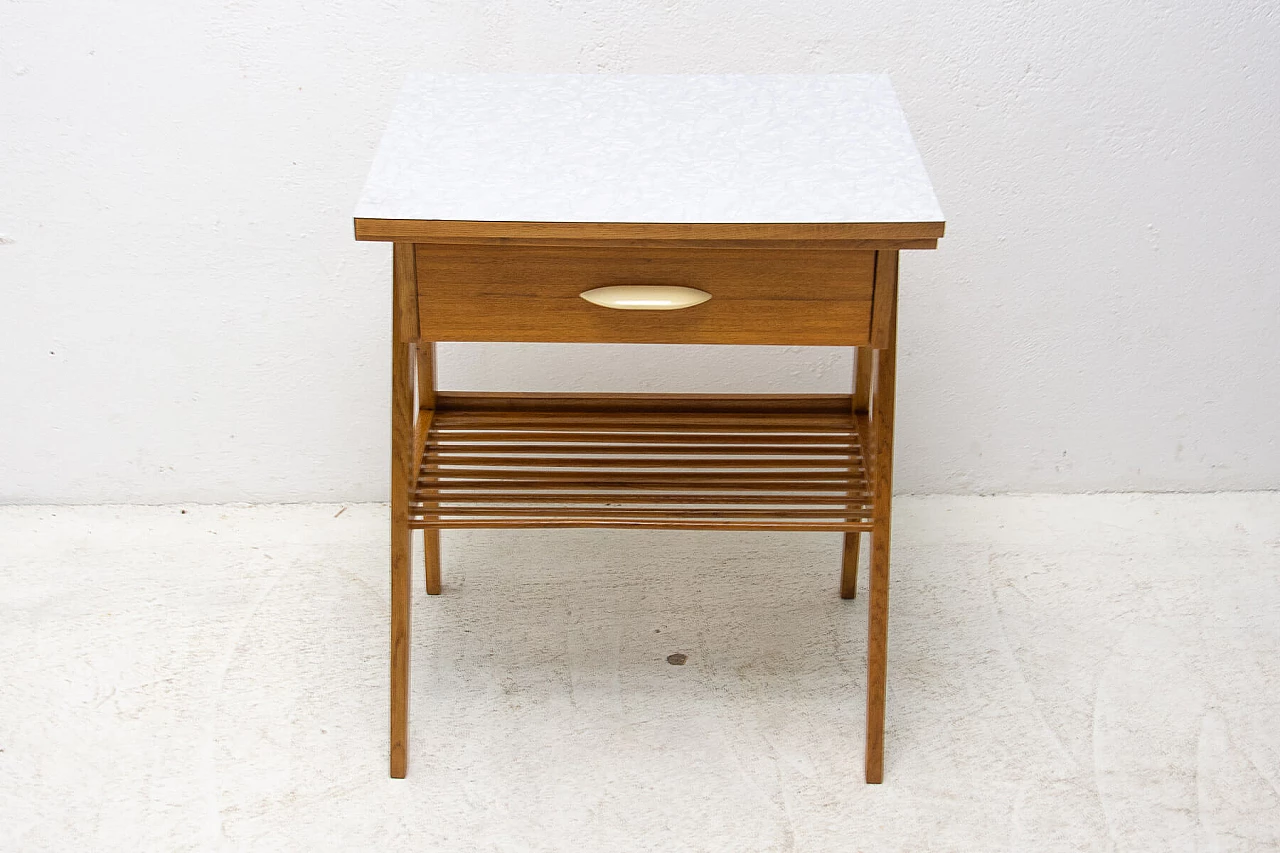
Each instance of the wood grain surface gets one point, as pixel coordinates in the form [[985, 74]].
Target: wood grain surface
[[532, 293], [430, 230], [882, 407]]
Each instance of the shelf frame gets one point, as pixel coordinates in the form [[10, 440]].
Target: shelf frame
[[652, 461]]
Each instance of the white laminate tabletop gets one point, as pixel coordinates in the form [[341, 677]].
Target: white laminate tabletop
[[641, 149]]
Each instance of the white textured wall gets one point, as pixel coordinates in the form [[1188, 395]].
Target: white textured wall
[[185, 314]]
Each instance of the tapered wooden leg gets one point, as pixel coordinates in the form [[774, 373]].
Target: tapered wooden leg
[[861, 404], [849, 566], [402, 467], [878, 605], [862, 380], [431, 558], [401, 595], [877, 649], [426, 375]]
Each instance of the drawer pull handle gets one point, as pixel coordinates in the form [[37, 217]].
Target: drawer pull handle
[[646, 297]]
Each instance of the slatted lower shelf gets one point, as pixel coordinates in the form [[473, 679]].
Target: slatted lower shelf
[[705, 462]]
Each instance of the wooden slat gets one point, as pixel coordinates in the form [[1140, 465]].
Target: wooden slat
[[435, 462], [835, 514], [625, 524], [474, 402], [727, 421], [627, 495], [443, 449], [645, 481], [689, 432], [449, 436], [824, 482], [704, 429]]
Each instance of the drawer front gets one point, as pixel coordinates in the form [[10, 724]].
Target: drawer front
[[814, 297]]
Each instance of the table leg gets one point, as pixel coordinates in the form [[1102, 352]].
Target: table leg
[[426, 373], [402, 468], [861, 403], [431, 559], [849, 566], [878, 607], [401, 595], [877, 648]]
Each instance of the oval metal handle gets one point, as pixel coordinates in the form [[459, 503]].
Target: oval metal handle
[[646, 297]]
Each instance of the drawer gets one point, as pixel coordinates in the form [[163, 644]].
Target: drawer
[[814, 297]]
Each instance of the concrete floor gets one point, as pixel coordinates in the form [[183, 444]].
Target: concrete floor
[[1066, 673]]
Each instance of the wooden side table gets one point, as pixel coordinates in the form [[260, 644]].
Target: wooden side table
[[635, 209]]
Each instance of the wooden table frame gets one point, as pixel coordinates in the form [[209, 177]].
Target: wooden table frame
[[856, 428]]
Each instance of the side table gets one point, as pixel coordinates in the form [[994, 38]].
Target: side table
[[758, 210]]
